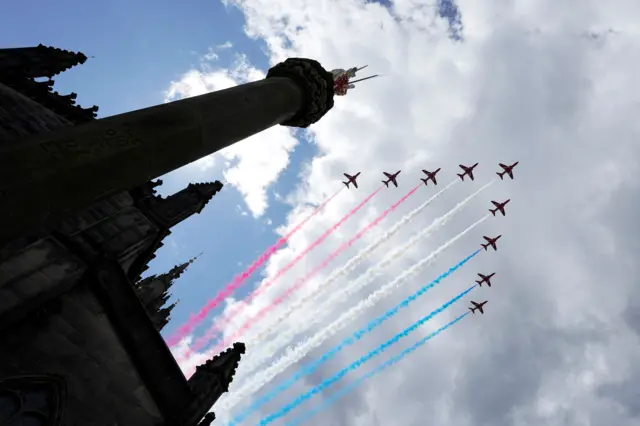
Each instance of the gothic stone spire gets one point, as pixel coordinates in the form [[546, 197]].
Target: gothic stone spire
[[211, 380], [172, 210], [153, 292]]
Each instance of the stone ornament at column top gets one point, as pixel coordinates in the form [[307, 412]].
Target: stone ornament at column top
[[316, 84]]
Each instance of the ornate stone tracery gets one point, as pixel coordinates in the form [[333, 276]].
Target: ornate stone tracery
[[37, 400]]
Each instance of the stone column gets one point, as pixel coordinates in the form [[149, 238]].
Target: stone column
[[51, 175]]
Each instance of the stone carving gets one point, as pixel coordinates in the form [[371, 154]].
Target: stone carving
[[316, 84]]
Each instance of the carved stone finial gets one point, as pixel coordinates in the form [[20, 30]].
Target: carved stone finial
[[316, 84], [71, 98]]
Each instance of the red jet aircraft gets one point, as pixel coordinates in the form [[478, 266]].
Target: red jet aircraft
[[352, 179], [499, 207], [392, 178], [468, 171], [486, 279], [430, 175], [477, 306], [491, 242], [507, 170]]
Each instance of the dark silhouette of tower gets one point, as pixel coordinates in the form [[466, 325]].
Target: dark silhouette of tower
[[51, 173], [80, 220]]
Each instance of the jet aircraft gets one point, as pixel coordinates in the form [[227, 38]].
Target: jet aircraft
[[392, 178], [486, 279], [351, 179], [468, 171], [499, 207], [507, 170], [491, 242], [477, 306], [430, 175]]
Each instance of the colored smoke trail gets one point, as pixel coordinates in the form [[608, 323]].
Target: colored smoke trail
[[216, 327], [392, 361], [238, 280], [356, 364], [355, 337], [355, 260], [293, 355], [300, 282], [323, 305]]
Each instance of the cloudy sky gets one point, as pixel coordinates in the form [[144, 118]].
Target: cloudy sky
[[550, 84]]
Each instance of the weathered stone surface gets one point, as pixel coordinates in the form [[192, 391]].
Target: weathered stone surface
[[149, 353], [95, 213], [20, 117], [39, 272], [79, 344]]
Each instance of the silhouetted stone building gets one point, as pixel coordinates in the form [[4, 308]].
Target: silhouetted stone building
[[79, 222], [79, 330]]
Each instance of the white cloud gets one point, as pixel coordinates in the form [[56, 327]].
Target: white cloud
[[559, 342], [252, 165], [212, 52]]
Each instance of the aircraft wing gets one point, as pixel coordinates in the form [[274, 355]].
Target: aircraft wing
[[387, 174], [355, 183]]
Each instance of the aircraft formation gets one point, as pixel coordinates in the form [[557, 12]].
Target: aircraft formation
[[318, 304], [466, 171], [431, 176]]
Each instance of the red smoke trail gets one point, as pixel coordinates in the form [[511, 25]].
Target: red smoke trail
[[214, 328], [300, 282], [238, 280]]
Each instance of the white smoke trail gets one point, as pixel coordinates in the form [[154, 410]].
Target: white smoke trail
[[346, 269], [296, 353], [320, 306], [354, 261]]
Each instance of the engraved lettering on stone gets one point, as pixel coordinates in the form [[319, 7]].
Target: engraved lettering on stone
[[110, 140]]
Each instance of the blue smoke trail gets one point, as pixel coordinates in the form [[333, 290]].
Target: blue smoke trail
[[326, 383], [342, 392], [308, 369]]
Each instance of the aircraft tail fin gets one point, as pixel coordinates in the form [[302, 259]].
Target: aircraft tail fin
[[479, 283], [426, 182], [493, 211], [485, 246], [501, 175], [386, 183], [461, 175], [346, 184], [473, 311]]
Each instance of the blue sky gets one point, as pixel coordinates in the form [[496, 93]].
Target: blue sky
[[494, 82], [138, 50]]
